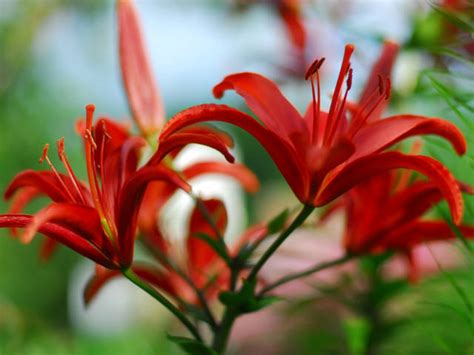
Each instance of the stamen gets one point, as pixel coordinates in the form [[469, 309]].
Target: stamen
[[89, 139], [89, 116], [312, 70], [44, 156], [92, 172], [383, 90], [63, 157], [104, 200], [340, 108], [345, 65]]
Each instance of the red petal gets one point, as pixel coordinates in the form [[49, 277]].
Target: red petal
[[62, 235], [414, 201], [157, 278], [383, 67], [47, 249], [21, 199], [130, 199], [253, 234], [44, 181], [118, 166], [179, 140], [285, 157], [200, 254], [96, 282], [238, 171], [291, 15], [382, 134], [266, 101], [143, 96], [322, 160], [423, 231], [355, 172], [156, 195], [79, 219]]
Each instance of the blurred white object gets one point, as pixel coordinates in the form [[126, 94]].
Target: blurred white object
[[120, 305], [112, 311]]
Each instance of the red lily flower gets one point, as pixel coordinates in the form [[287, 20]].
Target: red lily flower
[[399, 225], [323, 154], [98, 220], [204, 268]]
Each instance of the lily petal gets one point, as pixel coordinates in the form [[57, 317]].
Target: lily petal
[[130, 200], [200, 254], [179, 140], [291, 16], [355, 172], [62, 235], [142, 91], [82, 220], [44, 181], [149, 274], [382, 134], [423, 231], [265, 100], [240, 172], [283, 154]]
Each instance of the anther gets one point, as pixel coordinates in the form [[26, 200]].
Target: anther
[[388, 88], [349, 79], [89, 115], [381, 84], [313, 68], [44, 155]]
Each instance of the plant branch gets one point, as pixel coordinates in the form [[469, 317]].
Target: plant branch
[[316, 268], [300, 218], [129, 274]]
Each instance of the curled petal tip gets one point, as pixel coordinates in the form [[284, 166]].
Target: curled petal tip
[[218, 90]]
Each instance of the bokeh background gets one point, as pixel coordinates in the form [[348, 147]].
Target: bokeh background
[[56, 56]]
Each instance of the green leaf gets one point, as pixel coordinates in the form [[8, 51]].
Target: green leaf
[[216, 244], [245, 300], [191, 346], [198, 313], [262, 302], [278, 222]]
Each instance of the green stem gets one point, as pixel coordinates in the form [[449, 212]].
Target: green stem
[[165, 261], [221, 336], [300, 218], [129, 274], [311, 270]]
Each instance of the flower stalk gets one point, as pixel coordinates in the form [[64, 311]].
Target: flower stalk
[[129, 274]]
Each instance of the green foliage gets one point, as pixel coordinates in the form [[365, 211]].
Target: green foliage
[[245, 300], [191, 346], [278, 222], [217, 245]]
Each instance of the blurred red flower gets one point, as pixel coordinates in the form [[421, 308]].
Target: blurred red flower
[[97, 220]]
